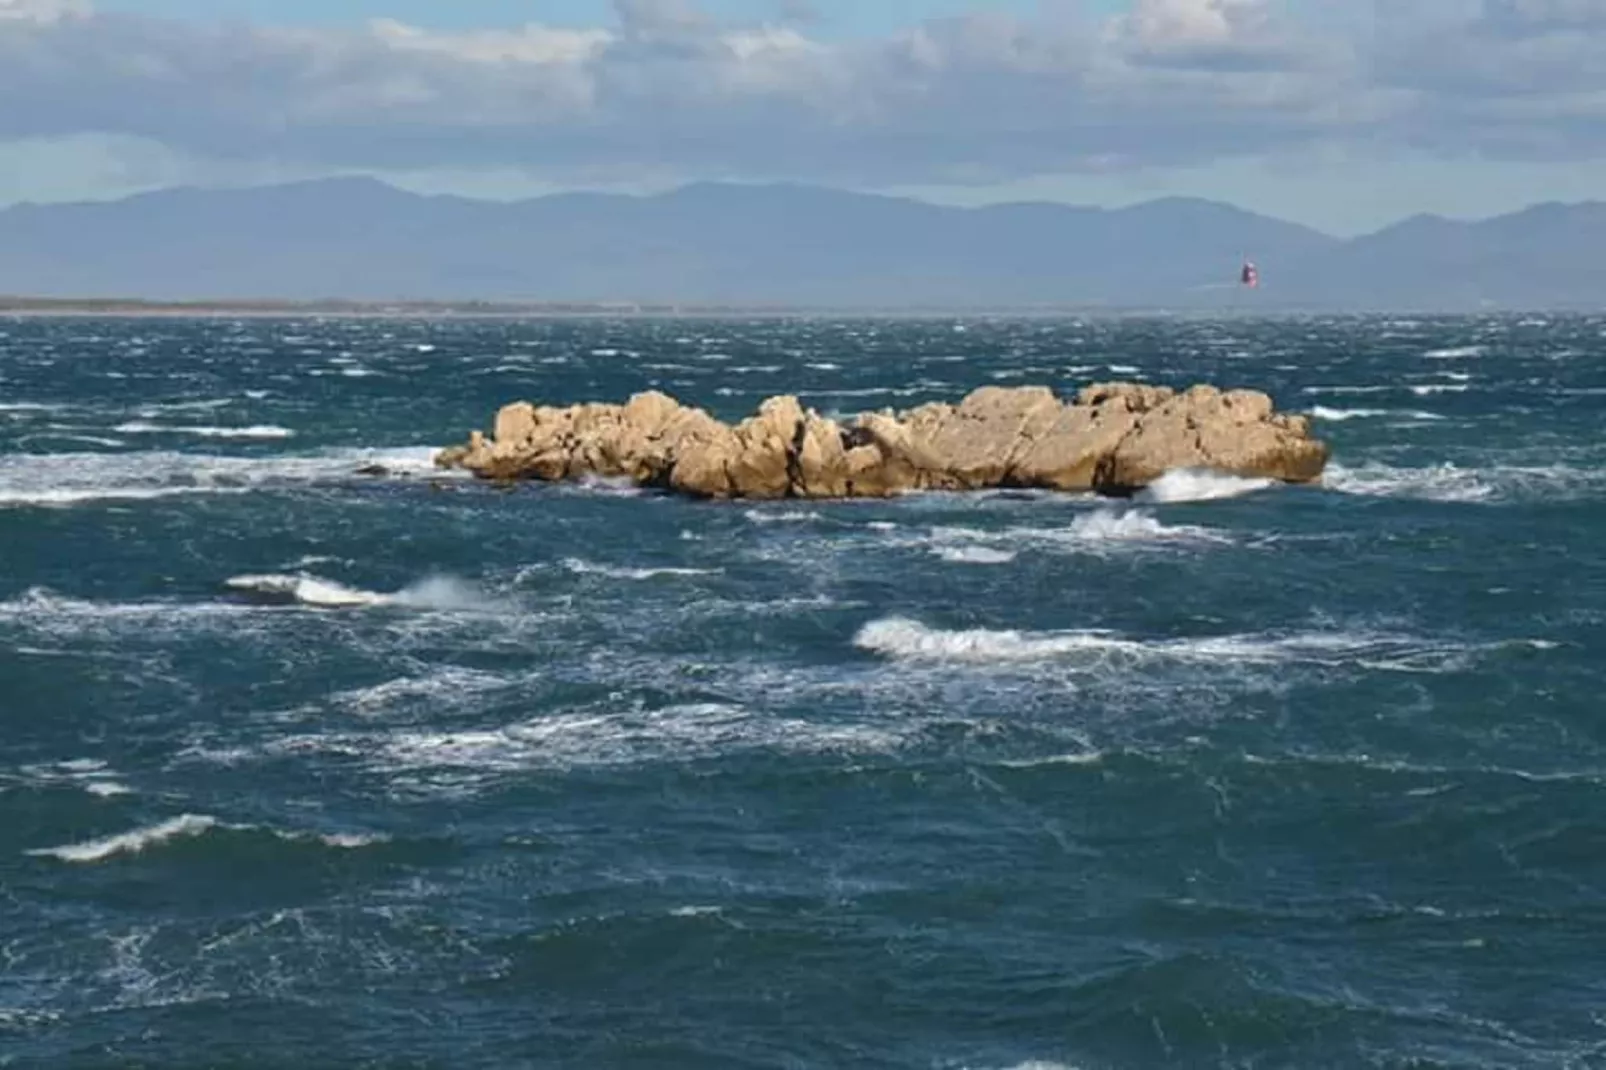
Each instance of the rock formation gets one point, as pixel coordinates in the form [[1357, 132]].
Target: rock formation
[[1114, 438]]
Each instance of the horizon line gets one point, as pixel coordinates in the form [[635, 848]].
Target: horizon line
[[19, 305]]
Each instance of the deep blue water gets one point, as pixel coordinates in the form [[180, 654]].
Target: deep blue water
[[579, 777]]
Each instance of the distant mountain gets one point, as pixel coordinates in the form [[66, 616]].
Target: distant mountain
[[777, 245], [1550, 255]]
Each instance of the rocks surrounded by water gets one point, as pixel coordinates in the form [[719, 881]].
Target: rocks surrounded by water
[[1113, 438]]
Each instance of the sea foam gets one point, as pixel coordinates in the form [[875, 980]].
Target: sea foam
[[1199, 485], [444, 593]]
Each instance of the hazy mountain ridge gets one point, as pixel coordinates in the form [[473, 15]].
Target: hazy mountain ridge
[[710, 243]]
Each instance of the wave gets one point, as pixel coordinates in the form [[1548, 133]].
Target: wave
[[905, 639], [974, 555], [436, 592], [1132, 525], [609, 737], [185, 826], [1348, 389], [136, 841], [1096, 532], [257, 431], [305, 589], [1199, 485], [91, 775], [1322, 412], [1451, 483], [586, 568], [67, 479], [1455, 352], [785, 516], [443, 689]]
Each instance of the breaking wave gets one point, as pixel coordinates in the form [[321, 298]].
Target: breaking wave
[[185, 826], [1452, 483], [66, 479], [437, 593], [905, 639], [582, 567], [134, 842], [974, 555], [1322, 412], [1199, 485], [1097, 532], [257, 431], [1132, 525]]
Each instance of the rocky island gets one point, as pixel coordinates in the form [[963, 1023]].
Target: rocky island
[[1113, 438]]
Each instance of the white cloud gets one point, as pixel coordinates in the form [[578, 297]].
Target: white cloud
[[1188, 23], [43, 10], [666, 89]]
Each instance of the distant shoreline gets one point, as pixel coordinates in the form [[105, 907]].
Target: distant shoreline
[[134, 308]]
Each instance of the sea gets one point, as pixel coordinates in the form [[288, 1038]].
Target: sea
[[312, 755]]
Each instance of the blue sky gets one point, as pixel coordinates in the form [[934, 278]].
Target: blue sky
[[1346, 114]]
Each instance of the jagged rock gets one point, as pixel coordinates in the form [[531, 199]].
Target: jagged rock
[[1114, 438], [979, 441], [1233, 432]]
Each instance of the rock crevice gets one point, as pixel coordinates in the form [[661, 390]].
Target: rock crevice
[[1112, 438]]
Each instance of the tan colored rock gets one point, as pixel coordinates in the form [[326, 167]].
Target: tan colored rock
[[702, 467], [978, 442], [885, 458], [1136, 397], [1067, 456], [1205, 428], [1115, 438], [515, 423], [822, 461], [759, 461]]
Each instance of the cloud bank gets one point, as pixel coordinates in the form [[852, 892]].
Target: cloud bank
[[979, 98]]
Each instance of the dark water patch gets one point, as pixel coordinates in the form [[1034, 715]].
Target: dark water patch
[[577, 775]]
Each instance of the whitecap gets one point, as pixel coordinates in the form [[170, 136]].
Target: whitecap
[[305, 589], [65, 479], [135, 841], [1455, 352], [786, 516], [974, 555], [1322, 412], [188, 826], [1133, 525], [1199, 485], [1437, 483], [258, 431], [1453, 483], [442, 593], [582, 567], [905, 639], [606, 737]]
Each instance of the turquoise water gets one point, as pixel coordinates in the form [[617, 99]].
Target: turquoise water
[[301, 767]]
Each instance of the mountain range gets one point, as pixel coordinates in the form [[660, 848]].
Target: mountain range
[[780, 245]]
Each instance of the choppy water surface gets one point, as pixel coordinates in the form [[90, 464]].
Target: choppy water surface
[[305, 767]]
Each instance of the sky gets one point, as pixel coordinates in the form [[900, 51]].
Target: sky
[[1343, 114]]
